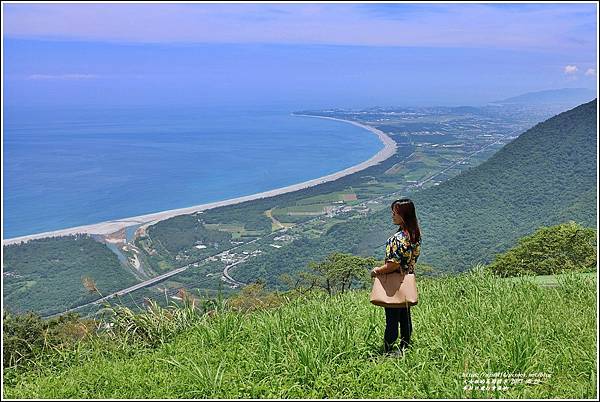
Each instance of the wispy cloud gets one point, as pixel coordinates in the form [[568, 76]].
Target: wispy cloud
[[590, 72], [540, 26], [61, 76], [570, 69]]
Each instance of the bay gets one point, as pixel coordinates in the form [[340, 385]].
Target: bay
[[70, 167]]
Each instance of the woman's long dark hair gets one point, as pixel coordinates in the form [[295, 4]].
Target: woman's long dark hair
[[406, 209]]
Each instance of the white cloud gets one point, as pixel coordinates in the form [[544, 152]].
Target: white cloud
[[541, 26], [571, 69], [61, 77], [590, 72]]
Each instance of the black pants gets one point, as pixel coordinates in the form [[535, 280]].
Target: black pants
[[393, 317]]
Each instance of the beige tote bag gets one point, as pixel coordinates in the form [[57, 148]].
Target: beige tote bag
[[395, 289]]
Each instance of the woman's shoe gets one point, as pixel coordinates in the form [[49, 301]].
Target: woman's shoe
[[387, 349], [392, 351], [398, 353]]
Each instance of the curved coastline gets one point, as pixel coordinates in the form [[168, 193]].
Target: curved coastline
[[109, 227]]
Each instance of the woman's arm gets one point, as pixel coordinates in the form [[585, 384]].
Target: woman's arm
[[389, 266]]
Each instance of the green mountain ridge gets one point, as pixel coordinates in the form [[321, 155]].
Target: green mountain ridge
[[564, 95], [545, 176]]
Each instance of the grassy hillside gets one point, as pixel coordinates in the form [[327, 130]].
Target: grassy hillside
[[321, 347], [544, 177], [46, 275]]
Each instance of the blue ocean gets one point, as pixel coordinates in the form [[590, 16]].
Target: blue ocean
[[79, 166]]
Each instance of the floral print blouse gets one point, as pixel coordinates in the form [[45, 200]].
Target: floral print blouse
[[399, 249]]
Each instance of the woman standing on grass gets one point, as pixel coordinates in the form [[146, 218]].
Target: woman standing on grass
[[401, 253]]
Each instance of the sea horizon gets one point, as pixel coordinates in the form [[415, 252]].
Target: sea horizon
[[69, 167]]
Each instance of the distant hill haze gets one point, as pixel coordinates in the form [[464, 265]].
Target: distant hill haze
[[572, 96], [544, 177]]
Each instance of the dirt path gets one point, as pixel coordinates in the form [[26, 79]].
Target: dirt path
[[276, 224]]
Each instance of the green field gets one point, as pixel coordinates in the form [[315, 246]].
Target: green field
[[311, 208], [464, 326], [324, 199], [418, 174], [312, 205], [233, 228]]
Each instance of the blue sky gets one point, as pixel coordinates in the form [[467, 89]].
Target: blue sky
[[293, 55]]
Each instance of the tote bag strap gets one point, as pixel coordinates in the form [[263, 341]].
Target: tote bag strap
[[408, 267]]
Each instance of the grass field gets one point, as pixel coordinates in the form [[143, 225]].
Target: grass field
[[464, 327], [418, 174], [311, 208], [324, 199], [236, 230], [552, 280]]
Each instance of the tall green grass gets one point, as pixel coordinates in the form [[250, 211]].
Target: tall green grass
[[329, 347]]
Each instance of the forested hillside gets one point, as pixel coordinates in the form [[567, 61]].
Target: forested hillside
[[544, 177], [53, 274]]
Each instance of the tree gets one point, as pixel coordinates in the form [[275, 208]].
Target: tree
[[550, 250], [339, 271]]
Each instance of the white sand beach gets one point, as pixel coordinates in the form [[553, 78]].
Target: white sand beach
[[105, 228]]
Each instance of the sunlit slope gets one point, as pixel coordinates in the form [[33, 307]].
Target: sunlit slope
[[544, 177]]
